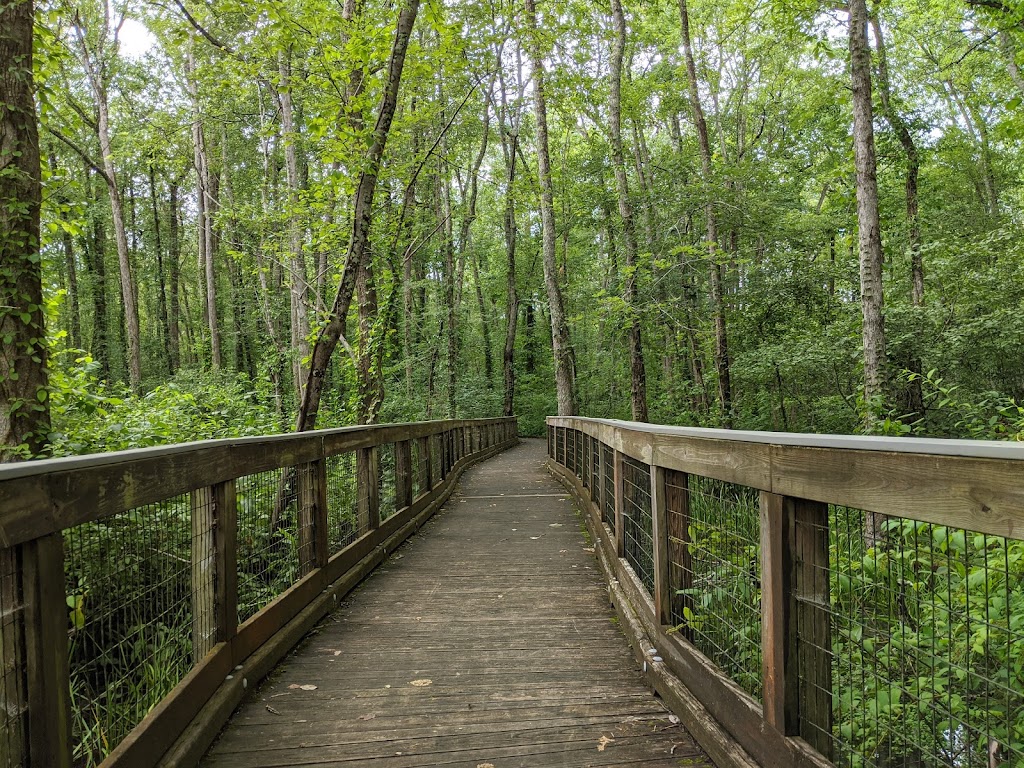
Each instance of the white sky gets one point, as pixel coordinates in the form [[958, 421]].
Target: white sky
[[136, 40]]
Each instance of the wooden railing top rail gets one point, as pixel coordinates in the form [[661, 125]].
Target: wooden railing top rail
[[38, 498], [973, 484]]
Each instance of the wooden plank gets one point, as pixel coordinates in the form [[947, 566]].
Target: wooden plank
[[46, 652], [368, 488], [809, 674], [204, 570], [308, 494], [226, 545], [403, 474], [775, 606], [659, 535], [677, 502], [984, 495]]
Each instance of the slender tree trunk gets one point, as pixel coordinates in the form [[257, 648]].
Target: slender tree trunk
[[637, 369], [74, 308], [173, 279], [297, 276], [869, 228], [722, 362], [451, 332], [371, 385], [24, 401], [161, 290], [97, 264], [510, 149], [915, 395], [565, 362], [358, 251]]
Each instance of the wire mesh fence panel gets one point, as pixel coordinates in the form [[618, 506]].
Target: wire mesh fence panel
[[268, 537], [435, 458], [585, 464], [595, 470], [131, 602], [560, 445], [638, 539], [386, 463], [14, 712], [342, 528], [725, 588], [927, 644], [608, 494], [578, 467]]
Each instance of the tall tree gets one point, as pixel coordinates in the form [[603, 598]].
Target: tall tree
[[869, 231], [565, 358], [638, 372]]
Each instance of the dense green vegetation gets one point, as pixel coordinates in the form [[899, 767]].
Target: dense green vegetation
[[276, 128]]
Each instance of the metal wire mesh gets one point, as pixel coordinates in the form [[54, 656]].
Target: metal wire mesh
[[608, 493], [268, 538], [342, 529], [927, 644], [722, 582], [595, 470], [585, 465], [137, 617], [14, 711], [579, 454], [386, 463], [435, 458], [637, 524], [560, 445]]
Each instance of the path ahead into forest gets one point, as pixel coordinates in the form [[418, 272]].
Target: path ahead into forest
[[486, 640]]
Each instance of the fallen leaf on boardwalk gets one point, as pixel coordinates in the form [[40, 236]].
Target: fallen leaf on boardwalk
[[603, 742], [673, 719], [485, 765], [272, 711], [337, 653], [306, 687], [534, 538], [422, 683], [367, 717], [555, 525], [589, 549]]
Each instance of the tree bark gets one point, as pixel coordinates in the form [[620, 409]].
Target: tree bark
[[24, 394], [96, 262], [358, 250], [722, 362], [637, 369], [173, 279], [565, 360], [868, 224], [161, 289]]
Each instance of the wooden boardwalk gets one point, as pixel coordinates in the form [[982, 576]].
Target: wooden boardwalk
[[487, 640]]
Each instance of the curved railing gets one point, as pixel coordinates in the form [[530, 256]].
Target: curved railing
[[142, 592], [823, 600]]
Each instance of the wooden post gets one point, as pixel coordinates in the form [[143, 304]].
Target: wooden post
[[312, 498], [226, 542], [46, 652], [368, 485], [620, 531], [403, 474], [599, 498], [680, 576], [659, 532], [796, 631], [551, 442], [204, 571], [215, 564]]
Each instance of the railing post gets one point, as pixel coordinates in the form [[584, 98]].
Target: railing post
[[45, 623], [680, 576], [312, 503], [215, 564], [659, 535], [368, 484], [620, 531], [795, 621], [403, 474], [428, 464]]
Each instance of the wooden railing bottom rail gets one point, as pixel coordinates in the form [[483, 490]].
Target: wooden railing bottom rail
[[723, 709]]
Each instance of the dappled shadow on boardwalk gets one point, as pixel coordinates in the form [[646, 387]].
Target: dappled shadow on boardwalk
[[486, 640]]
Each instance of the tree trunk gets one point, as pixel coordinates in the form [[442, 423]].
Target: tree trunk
[[297, 276], [173, 279], [637, 370], [97, 263], [358, 250], [24, 401], [451, 332], [868, 225], [722, 362], [565, 361], [161, 289], [915, 395]]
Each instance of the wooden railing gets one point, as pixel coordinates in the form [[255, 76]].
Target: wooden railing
[[142, 592], [811, 600]]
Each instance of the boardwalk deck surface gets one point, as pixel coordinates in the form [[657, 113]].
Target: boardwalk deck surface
[[486, 640]]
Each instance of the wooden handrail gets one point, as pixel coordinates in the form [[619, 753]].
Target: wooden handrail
[[40, 500], [973, 484], [963, 484]]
